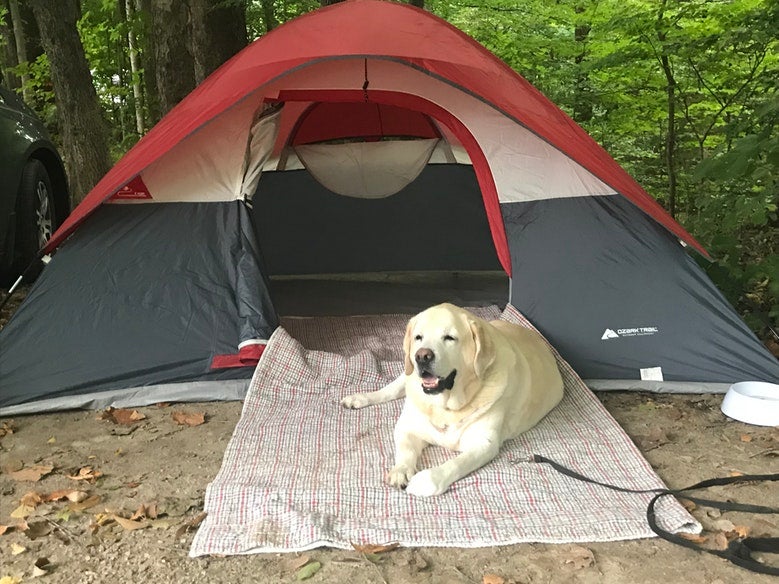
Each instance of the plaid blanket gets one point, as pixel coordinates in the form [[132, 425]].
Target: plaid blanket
[[301, 471]]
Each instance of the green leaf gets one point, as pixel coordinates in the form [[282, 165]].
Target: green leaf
[[308, 570]]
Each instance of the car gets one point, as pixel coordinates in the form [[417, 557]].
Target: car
[[34, 197]]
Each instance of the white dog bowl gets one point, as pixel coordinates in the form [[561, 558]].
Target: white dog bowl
[[753, 402]]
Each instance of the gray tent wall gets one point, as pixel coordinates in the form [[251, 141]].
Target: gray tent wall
[[436, 223], [611, 289], [136, 304], [617, 294], [134, 307]]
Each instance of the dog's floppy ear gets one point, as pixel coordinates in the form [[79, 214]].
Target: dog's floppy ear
[[484, 353], [409, 366]]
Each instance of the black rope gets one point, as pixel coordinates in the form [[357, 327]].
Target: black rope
[[739, 551]]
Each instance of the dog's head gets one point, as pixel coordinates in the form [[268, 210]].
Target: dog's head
[[445, 345]]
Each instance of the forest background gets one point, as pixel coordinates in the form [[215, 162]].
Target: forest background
[[683, 93]]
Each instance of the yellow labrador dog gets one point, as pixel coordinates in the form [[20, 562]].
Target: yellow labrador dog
[[469, 386]]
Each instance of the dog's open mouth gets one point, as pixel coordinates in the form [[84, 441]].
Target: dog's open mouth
[[432, 384]]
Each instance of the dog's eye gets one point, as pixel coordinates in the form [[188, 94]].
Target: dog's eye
[[418, 338], [449, 338]]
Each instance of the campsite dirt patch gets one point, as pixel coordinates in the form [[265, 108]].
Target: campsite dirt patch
[[93, 497]]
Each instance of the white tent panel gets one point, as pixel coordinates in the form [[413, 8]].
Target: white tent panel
[[524, 167], [209, 164], [368, 170], [263, 136]]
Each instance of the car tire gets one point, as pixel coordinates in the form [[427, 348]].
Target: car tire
[[35, 220]]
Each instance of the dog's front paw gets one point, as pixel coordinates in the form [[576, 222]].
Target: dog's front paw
[[425, 484], [399, 475], [355, 401]]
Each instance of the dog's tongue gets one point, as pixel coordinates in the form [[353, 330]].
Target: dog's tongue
[[429, 381]]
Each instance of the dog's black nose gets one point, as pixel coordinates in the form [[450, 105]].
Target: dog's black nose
[[424, 356]]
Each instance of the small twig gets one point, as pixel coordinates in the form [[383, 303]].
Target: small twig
[[766, 451], [66, 532]]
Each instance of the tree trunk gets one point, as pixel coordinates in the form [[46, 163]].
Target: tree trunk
[[151, 95], [174, 64], [134, 67], [218, 33], [670, 136], [582, 101], [84, 134], [268, 15], [20, 46], [9, 57]]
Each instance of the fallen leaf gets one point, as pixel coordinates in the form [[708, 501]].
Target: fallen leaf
[[13, 464], [51, 440], [736, 473], [738, 532], [688, 505], [5, 528], [129, 524], [188, 419], [22, 511], [17, 549], [10, 580], [123, 417], [86, 473], [63, 514], [308, 571], [694, 537], [654, 439], [579, 557], [723, 525], [69, 494], [31, 499], [145, 512], [746, 438], [720, 541], [87, 503], [100, 520], [190, 524], [32, 473], [375, 549], [493, 579], [294, 564], [7, 428], [41, 567]]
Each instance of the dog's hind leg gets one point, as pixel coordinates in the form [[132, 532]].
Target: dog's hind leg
[[391, 391]]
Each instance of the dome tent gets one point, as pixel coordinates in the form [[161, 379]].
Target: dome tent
[[320, 148]]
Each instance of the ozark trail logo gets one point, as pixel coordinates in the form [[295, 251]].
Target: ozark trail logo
[[641, 331]]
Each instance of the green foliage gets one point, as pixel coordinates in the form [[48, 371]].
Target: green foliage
[[38, 84], [741, 222]]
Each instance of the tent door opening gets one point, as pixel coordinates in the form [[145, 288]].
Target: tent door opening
[[428, 240]]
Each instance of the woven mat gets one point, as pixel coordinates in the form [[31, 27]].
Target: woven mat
[[301, 471]]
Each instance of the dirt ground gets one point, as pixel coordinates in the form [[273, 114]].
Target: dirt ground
[[137, 491]]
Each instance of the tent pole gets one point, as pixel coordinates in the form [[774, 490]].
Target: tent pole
[[18, 281]]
